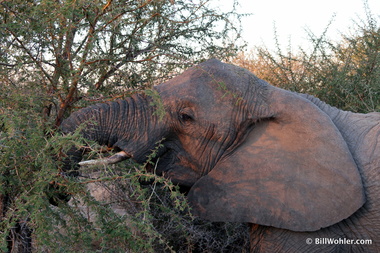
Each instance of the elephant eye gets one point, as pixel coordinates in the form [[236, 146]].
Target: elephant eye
[[186, 116]]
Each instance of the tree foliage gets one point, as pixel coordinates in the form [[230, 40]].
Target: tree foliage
[[72, 48], [345, 74]]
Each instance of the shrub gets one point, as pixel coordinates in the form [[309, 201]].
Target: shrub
[[345, 74]]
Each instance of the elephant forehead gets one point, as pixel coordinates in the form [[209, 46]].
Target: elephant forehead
[[199, 88], [213, 79], [188, 85], [201, 101]]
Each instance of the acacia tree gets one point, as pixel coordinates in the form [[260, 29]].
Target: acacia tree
[[57, 55], [71, 47]]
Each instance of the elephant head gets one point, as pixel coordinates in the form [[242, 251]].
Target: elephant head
[[247, 151]]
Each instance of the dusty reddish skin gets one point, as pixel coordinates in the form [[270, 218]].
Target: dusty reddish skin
[[287, 163]]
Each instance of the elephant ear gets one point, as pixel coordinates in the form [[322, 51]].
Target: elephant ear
[[293, 171]]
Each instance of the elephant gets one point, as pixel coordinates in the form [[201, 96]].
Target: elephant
[[304, 175]]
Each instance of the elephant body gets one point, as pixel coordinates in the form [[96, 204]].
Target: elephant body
[[301, 172]]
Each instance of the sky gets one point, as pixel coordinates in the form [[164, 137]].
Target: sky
[[292, 17]]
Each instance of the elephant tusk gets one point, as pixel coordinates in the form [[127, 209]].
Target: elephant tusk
[[118, 157]]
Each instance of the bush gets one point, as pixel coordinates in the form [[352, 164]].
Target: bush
[[345, 74]]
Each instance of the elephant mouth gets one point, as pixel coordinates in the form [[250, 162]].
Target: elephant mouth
[[164, 163], [161, 162], [168, 165]]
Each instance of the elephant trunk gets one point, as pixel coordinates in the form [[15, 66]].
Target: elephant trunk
[[127, 125]]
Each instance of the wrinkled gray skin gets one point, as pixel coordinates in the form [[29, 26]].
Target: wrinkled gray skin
[[290, 165]]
